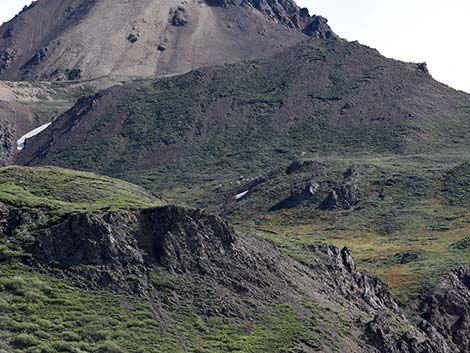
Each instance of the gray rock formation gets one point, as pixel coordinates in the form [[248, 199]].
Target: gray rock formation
[[342, 197], [447, 308]]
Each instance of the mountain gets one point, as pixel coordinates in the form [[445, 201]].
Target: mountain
[[89, 39], [224, 138], [171, 279], [320, 97], [249, 136]]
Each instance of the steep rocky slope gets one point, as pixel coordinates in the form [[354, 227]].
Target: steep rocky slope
[[233, 291], [448, 308], [88, 39]]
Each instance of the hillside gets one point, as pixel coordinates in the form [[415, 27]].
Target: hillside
[[25, 106], [225, 176], [166, 279], [322, 97], [59, 191], [88, 39], [204, 137]]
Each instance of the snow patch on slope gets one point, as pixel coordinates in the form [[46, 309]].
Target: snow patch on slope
[[241, 195], [21, 143]]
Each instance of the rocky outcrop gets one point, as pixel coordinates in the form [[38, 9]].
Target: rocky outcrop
[[287, 13], [390, 336], [341, 268], [7, 57], [12, 219], [119, 245], [223, 274], [178, 17], [342, 197], [298, 194], [346, 196], [447, 307], [7, 144]]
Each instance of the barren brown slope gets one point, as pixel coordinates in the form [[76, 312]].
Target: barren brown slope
[[88, 39]]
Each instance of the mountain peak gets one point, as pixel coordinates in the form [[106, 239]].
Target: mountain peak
[[86, 40]]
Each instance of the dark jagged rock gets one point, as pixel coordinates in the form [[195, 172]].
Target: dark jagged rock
[[178, 17], [74, 74], [355, 284], [390, 336], [423, 67], [287, 13], [298, 194], [447, 307], [318, 27], [122, 244], [343, 197], [7, 144], [7, 57], [133, 37], [37, 58]]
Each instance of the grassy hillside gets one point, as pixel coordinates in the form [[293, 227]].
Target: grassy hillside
[[320, 98], [200, 139], [39, 313], [65, 191], [410, 225]]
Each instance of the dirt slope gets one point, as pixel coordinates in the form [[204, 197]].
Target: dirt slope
[[86, 39]]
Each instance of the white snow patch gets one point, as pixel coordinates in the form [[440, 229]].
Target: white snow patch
[[241, 195], [21, 143]]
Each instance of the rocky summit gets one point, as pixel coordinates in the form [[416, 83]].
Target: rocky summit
[[90, 40], [213, 176]]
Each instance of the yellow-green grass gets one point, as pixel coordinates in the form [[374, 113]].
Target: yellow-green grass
[[64, 191]]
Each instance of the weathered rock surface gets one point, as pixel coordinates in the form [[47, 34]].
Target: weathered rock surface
[[342, 197], [447, 308], [298, 194], [390, 336]]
